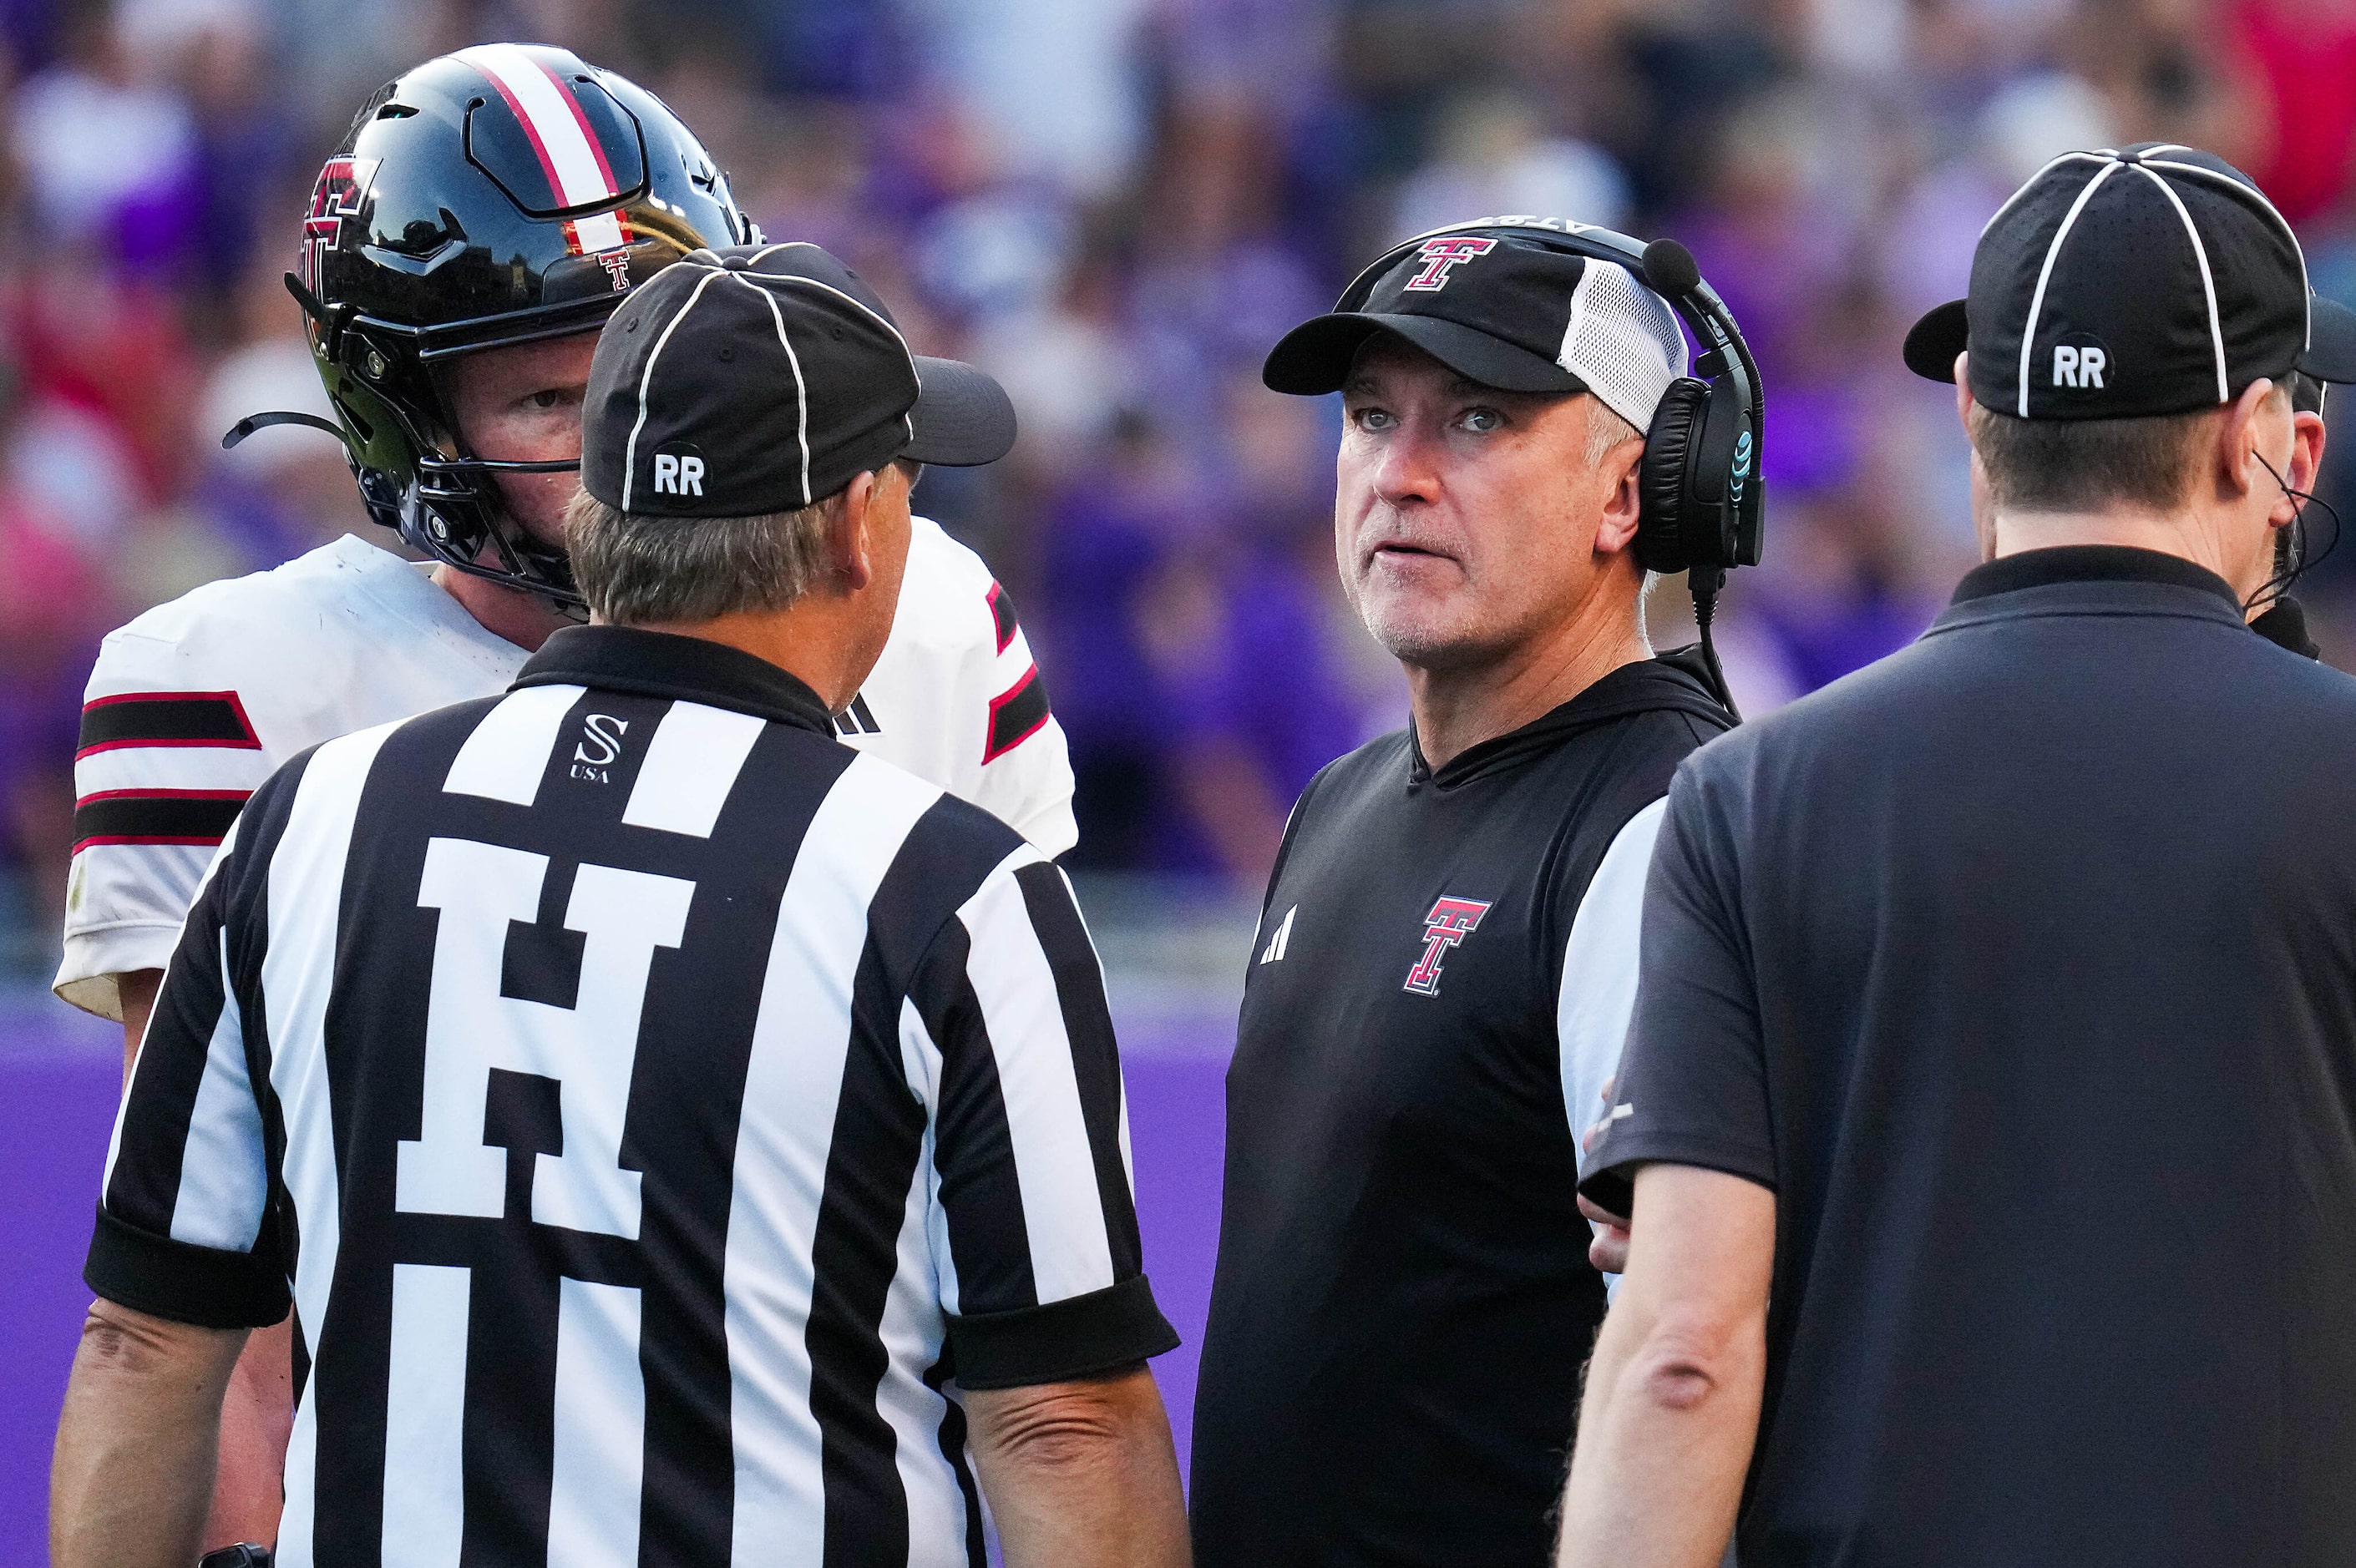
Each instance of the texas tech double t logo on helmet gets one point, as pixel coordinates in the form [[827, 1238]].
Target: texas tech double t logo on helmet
[[497, 196]]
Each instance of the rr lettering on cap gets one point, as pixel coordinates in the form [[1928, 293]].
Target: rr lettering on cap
[[678, 474], [1440, 255], [2080, 367]]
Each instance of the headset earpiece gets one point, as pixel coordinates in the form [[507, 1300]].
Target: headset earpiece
[[1665, 475], [1700, 500]]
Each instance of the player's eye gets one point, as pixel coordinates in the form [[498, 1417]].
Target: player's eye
[[546, 398], [1373, 418], [1480, 422]]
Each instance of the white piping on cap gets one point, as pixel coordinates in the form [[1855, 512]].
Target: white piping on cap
[[781, 245], [801, 388], [2045, 275], [2050, 166], [908, 419], [630, 451], [2306, 288], [847, 299], [2208, 280]]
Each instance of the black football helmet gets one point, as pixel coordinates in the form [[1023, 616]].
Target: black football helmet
[[497, 196]]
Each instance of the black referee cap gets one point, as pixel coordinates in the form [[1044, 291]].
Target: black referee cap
[[761, 379], [2119, 284]]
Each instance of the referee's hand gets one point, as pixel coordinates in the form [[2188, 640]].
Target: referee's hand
[[1609, 1250]]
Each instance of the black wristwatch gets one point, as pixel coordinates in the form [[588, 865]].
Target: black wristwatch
[[244, 1554]]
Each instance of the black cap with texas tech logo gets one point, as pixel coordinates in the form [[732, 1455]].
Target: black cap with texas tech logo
[[2152, 280], [1504, 310], [761, 379]]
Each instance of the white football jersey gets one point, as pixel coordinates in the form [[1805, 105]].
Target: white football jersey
[[956, 700], [195, 702]]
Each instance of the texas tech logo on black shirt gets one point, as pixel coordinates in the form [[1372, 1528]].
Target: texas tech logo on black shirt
[[1403, 1298], [1450, 922]]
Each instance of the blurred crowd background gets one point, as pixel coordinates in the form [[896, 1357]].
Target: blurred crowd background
[[1115, 206]]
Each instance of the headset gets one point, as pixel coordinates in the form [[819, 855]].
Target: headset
[[1698, 482], [2272, 602]]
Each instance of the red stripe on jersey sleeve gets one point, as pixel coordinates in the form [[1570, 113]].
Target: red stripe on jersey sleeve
[[165, 718], [199, 816], [1002, 615], [1015, 715]]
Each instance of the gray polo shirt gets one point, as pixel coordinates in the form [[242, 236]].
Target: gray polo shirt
[[2022, 968]]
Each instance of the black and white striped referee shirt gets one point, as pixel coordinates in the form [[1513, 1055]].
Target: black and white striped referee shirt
[[650, 1104]]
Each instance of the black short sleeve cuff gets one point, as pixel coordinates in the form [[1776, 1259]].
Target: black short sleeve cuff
[[188, 1284], [1612, 1186], [1069, 1338]]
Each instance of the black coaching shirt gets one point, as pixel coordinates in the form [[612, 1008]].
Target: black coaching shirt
[[1440, 986], [655, 1111], [2022, 967]]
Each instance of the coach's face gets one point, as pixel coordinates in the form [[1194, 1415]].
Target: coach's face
[[522, 404], [1470, 523]]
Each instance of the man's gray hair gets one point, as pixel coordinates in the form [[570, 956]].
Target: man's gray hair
[[641, 571], [1605, 429], [637, 571]]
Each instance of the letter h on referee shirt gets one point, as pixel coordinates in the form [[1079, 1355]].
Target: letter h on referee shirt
[[1449, 921], [589, 1047]]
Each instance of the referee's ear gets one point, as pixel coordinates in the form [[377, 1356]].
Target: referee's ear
[[851, 531], [2244, 436]]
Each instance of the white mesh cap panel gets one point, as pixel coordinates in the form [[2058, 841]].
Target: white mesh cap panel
[[1622, 341]]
